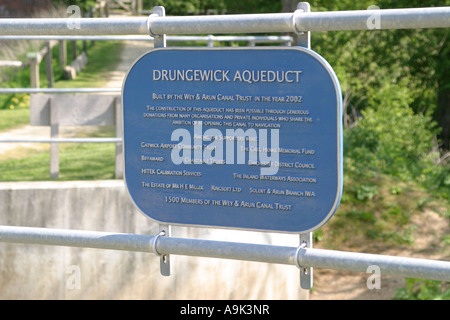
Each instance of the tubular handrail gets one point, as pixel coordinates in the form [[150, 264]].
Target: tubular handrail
[[298, 21], [305, 257]]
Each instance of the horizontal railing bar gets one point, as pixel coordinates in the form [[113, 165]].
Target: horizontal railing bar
[[75, 238], [237, 23], [304, 257], [414, 18], [299, 21], [62, 140], [355, 261], [11, 63], [74, 26], [227, 250], [149, 38], [59, 90]]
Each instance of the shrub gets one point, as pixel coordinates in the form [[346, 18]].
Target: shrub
[[391, 139]]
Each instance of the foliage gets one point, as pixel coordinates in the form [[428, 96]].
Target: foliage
[[83, 4], [391, 139], [195, 7], [390, 81], [15, 101], [416, 289]]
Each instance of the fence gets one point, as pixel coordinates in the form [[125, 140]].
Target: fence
[[35, 58], [297, 22], [300, 23], [297, 256], [54, 140]]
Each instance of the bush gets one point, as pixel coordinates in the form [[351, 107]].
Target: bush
[[391, 139], [416, 289]]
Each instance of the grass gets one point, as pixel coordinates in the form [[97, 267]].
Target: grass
[[77, 161], [14, 118]]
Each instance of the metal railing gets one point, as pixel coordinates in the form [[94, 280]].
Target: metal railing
[[296, 22], [298, 256], [35, 58], [210, 39], [61, 91]]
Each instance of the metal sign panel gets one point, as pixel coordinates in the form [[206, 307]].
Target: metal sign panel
[[243, 138]]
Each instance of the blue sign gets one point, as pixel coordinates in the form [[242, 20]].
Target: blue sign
[[242, 138]]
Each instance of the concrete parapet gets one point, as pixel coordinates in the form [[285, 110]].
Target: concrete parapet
[[50, 272]]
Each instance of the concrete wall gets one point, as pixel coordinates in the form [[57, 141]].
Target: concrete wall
[[51, 272]]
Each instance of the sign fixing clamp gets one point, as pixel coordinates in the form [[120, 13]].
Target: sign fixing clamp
[[164, 229], [159, 39], [164, 259], [301, 38], [306, 273]]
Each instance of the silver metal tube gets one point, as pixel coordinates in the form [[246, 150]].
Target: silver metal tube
[[149, 38], [240, 23], [76, 238], [417, 18], [74, 26], [226, 250], [59, 90], [62, 140], [306, 257], [80, 37], [352, 261], [434, 17]]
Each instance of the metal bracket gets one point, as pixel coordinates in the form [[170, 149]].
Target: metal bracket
[[302, 38], [164, 259], [306, 273], [160, 39], [164, 230]]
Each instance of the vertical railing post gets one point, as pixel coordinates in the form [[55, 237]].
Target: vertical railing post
[[160, 42], [303, 39], [210, 43]]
